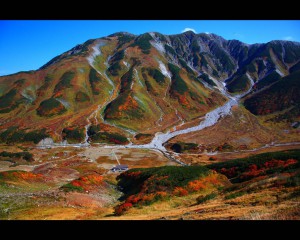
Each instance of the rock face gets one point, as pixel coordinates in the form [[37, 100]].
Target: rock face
[[149, 83]]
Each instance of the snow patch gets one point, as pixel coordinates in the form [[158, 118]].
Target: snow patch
[[159, 46], [45, 142], [29, 97], [163, 69], [29, 93], [265, 62], [95, 52], [137, 77], [152, 34], [251, 80], [131, 85], [126, 64], [86, 127], [279, 72], [157, 43], [105, 75], [139, 100], [63, 102]]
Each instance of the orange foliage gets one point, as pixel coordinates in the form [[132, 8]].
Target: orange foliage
[[183, 101], [134, 199], [148, 198], [179, 191], [212, 179], [196, 185], [162, 194], [58, 94], [130, 103], [76, 183], [92, 179], [104, 127], [88, 182], [27, 176]]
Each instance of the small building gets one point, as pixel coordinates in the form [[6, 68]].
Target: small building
[[120, 168]]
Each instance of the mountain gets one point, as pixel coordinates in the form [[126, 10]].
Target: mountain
[[125, 88]]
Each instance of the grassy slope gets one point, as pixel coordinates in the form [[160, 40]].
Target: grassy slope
[[272, 195], [281, 95]]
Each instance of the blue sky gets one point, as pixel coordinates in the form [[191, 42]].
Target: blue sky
[[27, 45]]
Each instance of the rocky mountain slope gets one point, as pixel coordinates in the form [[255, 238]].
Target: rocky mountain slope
[[124, 88]]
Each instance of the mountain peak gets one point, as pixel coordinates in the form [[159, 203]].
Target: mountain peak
[[117, 34], [189, 32]]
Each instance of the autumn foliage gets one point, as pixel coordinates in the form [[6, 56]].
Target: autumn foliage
[[122, 208], [179, 191], [84, 183], [50, 107], [20, 175], [254, 170], [146, 186], [240, 170]]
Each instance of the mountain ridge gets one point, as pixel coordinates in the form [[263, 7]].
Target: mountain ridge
[[187, 32], [166, 80], [127, 33]]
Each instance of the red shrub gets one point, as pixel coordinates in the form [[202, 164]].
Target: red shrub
[[120, 209], [252, 168], [274, 164], [290, 162], [179, 191], [76, 183], [114, 141], [252, 171], [230, 173], [134, 199]]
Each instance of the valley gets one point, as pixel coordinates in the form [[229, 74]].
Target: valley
[[208, 129]]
